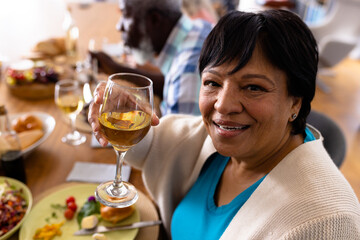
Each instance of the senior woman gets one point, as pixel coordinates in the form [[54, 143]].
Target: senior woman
[[250, 167]]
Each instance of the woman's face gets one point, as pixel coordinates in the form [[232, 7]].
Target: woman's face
[[247, 114]]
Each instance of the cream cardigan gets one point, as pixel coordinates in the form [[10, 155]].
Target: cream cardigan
[[304, 197]]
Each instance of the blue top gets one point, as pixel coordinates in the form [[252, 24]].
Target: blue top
[[197, 216]]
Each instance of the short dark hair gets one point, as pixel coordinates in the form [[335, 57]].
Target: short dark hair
[[284, 39]]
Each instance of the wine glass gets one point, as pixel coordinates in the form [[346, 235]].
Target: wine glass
[[125, 119], [69, 98]]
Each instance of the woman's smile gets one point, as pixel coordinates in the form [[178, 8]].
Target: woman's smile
[[229, 129]]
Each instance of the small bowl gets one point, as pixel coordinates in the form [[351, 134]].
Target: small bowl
[[48, 127], [26, 194]]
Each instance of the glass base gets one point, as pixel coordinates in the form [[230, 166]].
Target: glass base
[[122, 196], [74, 138]]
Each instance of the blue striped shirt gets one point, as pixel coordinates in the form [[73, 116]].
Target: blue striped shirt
[[178, 61]]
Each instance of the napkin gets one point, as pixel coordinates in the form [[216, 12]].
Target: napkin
[[96, 172]]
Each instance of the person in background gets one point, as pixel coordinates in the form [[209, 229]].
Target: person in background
[[202, 9], [224, 6], [249, 167], [156, 31], [313, 11]]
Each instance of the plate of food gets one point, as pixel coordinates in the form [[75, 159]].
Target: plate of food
[[33, 128], [15, 205], [50, 215]]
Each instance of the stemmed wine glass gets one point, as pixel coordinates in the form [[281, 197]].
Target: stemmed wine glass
[[125, 119], [69, 98]]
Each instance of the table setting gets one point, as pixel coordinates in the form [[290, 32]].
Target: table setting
[[81, 182], [56, 170]]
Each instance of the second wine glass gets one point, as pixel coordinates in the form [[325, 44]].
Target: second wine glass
[[125, 119], [69, 98]]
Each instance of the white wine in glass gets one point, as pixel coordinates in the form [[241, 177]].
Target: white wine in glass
[[125, 119], [69, 98]]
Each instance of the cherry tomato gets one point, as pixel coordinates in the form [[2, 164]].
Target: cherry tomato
[[70, 199], [69, 214], [72, 206]]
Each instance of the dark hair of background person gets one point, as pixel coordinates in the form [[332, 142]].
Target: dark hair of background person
[[284, 39], [167, 8]]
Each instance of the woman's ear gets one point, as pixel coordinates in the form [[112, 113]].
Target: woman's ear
[[295, 108]]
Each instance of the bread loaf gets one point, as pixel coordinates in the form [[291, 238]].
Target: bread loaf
[[51, 47], [27, 138]]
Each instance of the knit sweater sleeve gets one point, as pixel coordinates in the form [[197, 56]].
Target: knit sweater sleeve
[[304, 197], [335, 227]]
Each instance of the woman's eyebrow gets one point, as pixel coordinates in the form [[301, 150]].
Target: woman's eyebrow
[[247, 76], [212, 72]]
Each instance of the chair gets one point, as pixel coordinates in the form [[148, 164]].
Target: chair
[[334, 139], [337, 33]]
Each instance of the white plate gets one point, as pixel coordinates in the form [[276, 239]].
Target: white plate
[[48, 127]]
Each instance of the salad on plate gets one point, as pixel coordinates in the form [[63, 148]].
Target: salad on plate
[[12, 207]]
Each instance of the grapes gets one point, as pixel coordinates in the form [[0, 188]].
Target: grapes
[[43, 74]]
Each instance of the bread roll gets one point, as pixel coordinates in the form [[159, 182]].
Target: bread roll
[[26, 122], [27, 138], [115, 215], [51, 47]]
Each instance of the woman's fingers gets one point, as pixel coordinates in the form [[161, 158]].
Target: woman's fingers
[[99, 92], [154, 120], [94, 113]]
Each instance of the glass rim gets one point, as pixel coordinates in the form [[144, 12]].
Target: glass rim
[[131, 74], [74, 84]]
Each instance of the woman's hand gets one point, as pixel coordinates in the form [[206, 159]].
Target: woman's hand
[[94, 109]]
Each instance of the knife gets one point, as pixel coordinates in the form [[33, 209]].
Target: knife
[[102, 229]]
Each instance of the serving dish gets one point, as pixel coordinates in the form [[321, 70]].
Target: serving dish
[[34, 91], [26, 194], [42, 210], [48, 127], [31, 80]]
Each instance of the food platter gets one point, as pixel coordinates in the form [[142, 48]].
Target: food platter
[[32, 80], [26, 194], [42, 210], [48, 127]]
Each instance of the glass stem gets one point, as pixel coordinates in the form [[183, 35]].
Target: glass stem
[[72, 123], [119, 162]]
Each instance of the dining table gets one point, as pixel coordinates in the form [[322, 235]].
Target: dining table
[[48, 166]]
